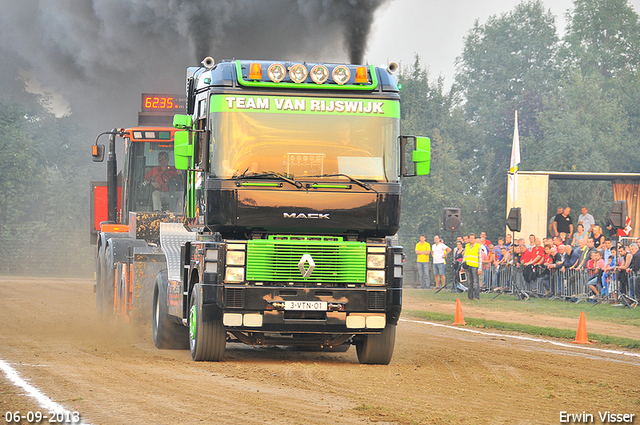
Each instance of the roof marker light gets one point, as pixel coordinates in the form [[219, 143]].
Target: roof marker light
[[298, 73], [361, 75], [255, 71], [276, 72], [341, 74], [319, 74]]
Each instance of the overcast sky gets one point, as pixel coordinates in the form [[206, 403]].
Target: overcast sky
[[435, 30]]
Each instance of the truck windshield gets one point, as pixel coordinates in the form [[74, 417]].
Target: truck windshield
[[153, 182], [304, 137]]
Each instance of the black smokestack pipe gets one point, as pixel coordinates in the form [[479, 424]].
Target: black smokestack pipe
[[112, 178]]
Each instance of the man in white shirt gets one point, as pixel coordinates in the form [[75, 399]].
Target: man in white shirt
[[587, 220], [439, 251]]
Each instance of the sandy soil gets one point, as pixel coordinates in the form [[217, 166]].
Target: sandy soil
[[113, 374]]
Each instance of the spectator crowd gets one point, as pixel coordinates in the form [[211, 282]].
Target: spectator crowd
[[609, 266]]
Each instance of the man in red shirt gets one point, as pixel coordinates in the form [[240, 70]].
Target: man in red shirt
[[483, 237], [525, 256], [537, 253], [596, 266], [159, 177]]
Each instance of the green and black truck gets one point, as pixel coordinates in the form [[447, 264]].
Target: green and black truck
[[292, 179]]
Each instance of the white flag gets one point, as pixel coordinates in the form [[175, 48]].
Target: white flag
[[515, 149], [515, 160]]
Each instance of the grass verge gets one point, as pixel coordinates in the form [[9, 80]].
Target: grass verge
[[557, 308], [524, 328]]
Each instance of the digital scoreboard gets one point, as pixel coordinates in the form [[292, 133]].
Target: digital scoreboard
[[159, 108], [152, 102]]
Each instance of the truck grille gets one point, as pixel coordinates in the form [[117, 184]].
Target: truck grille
[[276, 259], [375, 300], [234, 297]]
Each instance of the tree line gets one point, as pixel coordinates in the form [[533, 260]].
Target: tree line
[[44, 192]]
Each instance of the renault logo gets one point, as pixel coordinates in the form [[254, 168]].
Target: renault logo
[[306, 258]]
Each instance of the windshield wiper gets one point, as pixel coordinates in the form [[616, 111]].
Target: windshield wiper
[[354, 180], [269, 175]]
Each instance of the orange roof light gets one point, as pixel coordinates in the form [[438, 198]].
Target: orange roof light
[[361, 75], [255, 71]]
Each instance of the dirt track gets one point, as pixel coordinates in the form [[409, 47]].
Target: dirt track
[[114, 374]]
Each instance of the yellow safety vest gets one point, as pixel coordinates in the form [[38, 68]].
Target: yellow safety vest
[[472, 255]]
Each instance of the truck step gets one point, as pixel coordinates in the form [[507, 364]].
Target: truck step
[[172, 236]]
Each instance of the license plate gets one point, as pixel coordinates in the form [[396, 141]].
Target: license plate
[[306, 305]]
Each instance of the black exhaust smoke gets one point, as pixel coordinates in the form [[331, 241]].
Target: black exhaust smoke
[[101, 54]]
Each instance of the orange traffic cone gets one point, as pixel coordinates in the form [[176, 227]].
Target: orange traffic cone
[[459, 319], [581, 335]]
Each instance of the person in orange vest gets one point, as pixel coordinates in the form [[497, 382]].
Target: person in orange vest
[[471, 260]]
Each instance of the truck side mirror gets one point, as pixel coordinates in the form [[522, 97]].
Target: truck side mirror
[[420, 157], [182, 149], [97, 152], [182, 121]]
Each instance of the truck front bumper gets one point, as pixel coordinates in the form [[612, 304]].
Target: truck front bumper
[[302, 310]]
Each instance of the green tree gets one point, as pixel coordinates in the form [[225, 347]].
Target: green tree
[[603, 36], [583, 129], [43, 194], [507, 64], [592, 123], [429, 110]]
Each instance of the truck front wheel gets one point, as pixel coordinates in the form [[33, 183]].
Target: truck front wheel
[[207, 340], [377, 349], [166, 334]]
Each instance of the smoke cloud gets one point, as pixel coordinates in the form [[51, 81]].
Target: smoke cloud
[[102, 54]]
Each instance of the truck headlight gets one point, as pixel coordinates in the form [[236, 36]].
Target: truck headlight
[[211, 267], [211, 255], [298, 73], [319, 74], [375, 261], [375, 277], [235, 258], [341, 74], [276, 72], [234, 274], [211, 261]]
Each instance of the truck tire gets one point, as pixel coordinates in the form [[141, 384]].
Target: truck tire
[[167, 335], [100, 269], [377, 349], [207, 340], [105, 285]]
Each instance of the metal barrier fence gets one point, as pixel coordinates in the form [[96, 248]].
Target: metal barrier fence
[[626, 240], [616, 287]]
